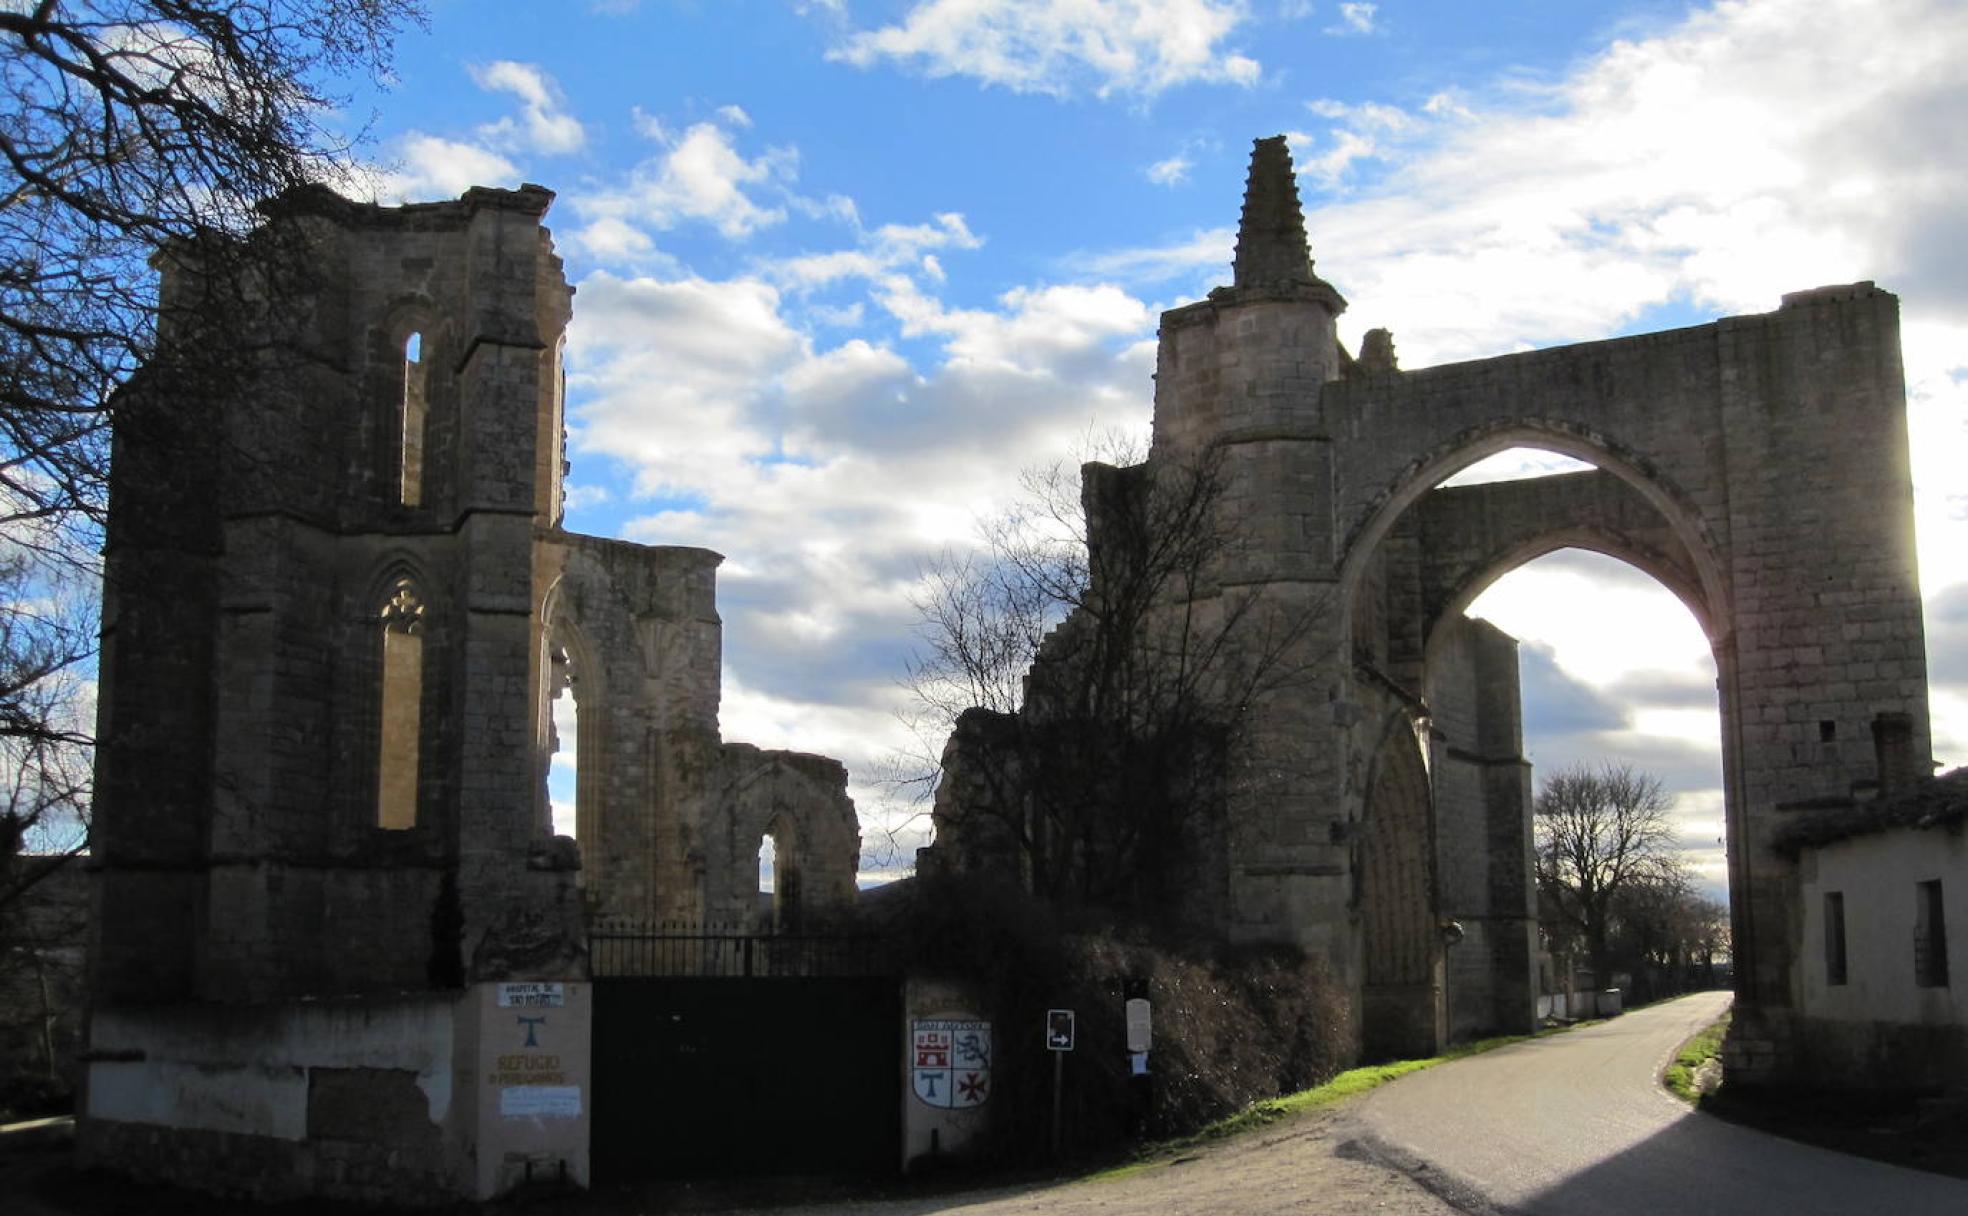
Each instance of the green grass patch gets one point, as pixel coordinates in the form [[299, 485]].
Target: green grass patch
[[1346, 1085], [1705, 1046]]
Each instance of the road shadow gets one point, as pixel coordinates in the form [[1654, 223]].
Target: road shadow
[[1704, 1166]]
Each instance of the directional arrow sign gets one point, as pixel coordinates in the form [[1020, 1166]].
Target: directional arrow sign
[[1059, 1029]]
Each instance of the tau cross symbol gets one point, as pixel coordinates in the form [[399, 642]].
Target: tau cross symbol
[[532, 1024]]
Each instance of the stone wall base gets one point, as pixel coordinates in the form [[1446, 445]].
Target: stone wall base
[[410, 1099], [1888, 1057], [263, 1167]]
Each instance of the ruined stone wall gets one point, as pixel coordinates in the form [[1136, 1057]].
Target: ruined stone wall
[[801, 801], [264, 536], [1756, 466], [1483, 834], [264, 860], [670, 816], [640, 628], [1771, 447], [338, 606]]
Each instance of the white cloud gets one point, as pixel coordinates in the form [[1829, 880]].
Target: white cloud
[[611, 237], [1171, 172], [1062, 47], [1329, 166], [1371, 115], [880, 252], [699, 176], [1725, 162], [543, 124], [429, 167], [1354, 19]]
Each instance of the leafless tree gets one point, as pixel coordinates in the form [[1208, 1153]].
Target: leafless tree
[[130, 128], [1603, 835], [1096, 681]]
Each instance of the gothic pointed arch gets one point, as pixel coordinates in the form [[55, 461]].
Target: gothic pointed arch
[[1676, 509], [1401, 1010]]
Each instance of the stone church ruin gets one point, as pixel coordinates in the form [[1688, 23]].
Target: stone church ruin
[[338, 606], [338, 949], [1376, 809]]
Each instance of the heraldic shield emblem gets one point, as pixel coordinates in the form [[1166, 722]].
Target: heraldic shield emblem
[[951, 1061]]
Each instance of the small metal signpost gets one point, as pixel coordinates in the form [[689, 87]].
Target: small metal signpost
[[1059, 1029], [1059, 1041], [1140, 1033]]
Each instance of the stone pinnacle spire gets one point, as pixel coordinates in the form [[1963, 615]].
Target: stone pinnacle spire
[[1271, 246]]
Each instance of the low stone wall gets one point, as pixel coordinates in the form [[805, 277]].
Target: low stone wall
[[266, 1167], [351, 1099], [413, 1099]]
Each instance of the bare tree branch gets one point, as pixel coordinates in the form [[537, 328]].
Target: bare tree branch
[[1093, 683], [132, 129]]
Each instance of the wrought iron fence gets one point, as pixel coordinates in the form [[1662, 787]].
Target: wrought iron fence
[[620, 949]]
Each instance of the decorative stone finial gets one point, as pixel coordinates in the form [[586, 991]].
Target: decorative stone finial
[[1274, 259], [1271, 246], [1377, 353]]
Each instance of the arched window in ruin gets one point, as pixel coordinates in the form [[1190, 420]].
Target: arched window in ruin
[[568, 802], [401, 720], [415, 408], [779, 879]]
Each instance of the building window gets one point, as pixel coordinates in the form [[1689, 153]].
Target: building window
[[403, 705], [1930, 953], [415, 407], [779, 879], [1834, 937]]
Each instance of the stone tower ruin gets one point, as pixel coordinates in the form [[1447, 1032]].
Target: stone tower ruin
[[337, 946]]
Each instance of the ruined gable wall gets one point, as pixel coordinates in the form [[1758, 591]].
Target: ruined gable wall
[[804, 798], [642, 629], [670, 816]]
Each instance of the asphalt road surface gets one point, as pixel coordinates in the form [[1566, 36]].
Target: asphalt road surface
[[1578, 1123]]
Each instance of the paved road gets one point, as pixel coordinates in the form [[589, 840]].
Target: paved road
[[1577, 1123]]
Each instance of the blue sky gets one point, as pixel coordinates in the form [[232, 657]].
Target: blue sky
[[845, 267]]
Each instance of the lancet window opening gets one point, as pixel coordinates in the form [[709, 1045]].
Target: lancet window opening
[[400, 724], [412, 414], [779, 878]]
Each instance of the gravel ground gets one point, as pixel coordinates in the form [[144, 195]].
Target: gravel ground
[[1307, 1165]]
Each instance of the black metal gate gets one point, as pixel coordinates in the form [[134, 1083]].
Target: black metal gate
[[726, 1054]]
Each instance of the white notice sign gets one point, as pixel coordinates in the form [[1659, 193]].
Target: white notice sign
[[540, 1101], [532, 996], [1140, 1025]]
